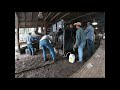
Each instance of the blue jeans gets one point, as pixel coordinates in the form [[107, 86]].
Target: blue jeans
[[80, 51], [90, 46], [30, 48], [45, 44]]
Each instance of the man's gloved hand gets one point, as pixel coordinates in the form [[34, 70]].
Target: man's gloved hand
[[75, 46], [74, 49]]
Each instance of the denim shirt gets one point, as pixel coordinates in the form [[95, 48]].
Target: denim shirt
[[90, 32], [80, 36], [46, 37], [29, 39]]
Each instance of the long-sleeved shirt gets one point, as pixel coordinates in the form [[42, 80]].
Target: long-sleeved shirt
[[46, 37], [90, 32], [80, 36], [29, 39]]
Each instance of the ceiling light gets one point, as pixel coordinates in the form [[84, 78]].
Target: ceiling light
[[94, 23], [96, 28], [40, 15]]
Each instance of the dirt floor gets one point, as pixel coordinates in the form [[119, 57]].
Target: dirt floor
[[26, 67]]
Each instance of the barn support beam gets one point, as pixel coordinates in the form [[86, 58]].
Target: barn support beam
[[55, 16], [45, 26], [64, 15], [47, 16], [17, 27]]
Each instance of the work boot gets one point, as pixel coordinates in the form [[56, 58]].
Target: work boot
[[43, 61], [80, 61], [31, 57], [53, 61]]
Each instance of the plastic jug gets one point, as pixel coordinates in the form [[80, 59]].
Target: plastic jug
[[71, 58]]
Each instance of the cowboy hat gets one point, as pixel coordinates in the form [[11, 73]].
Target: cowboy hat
[[78, 23]]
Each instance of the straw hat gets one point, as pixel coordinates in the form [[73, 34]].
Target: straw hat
[[78, 23]]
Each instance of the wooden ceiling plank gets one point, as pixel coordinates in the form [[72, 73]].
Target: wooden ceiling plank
[[55, 16]]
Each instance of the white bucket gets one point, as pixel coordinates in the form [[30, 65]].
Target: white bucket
[[71, 58]]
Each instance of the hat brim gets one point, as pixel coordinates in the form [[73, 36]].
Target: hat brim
[[75, 24]]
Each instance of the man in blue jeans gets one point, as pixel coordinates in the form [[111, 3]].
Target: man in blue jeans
[[44, 43], [90, 38], [80, 40], [29, 44]]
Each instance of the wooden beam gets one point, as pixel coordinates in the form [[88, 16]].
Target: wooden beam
[[67, 17], [82, 16], [63, 51], [47, 16], [32, 18], [63, 16], [28, 21], [17, 27], [25, 18], [55, 16], [42, 29], [16, 19], [45, 27]]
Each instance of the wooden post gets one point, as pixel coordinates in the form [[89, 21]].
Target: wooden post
[[55, 16], [37, 27], [55, 34], [45, 27], [18, 45], [63, 37], [63, 42], [42, 29]]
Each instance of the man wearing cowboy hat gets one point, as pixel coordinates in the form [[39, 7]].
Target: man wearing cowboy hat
[[80, 40]]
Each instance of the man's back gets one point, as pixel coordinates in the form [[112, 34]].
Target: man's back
[[46, 37], [29, 39], [90, 32], [80, 36]]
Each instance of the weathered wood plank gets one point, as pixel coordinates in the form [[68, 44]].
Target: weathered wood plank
[[95, 67]]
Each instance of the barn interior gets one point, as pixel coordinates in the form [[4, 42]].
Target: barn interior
[[56, 24]]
